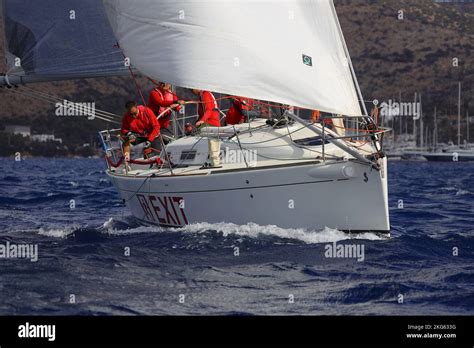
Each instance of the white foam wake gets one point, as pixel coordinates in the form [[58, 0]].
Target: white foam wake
[[118, 227], [250, 230], [57, 232], [254, 231]]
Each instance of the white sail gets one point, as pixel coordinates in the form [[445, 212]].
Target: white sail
[[285, 51]]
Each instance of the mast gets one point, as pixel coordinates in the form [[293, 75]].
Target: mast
[[459, 114], [428, 139], [406, 129], [3, 33], [414, 121], [399, 112], [435, 132], [467, 125], [393, 127], [422, 129]]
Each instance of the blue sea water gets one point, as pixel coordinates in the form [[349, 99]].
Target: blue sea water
[[82, 252]]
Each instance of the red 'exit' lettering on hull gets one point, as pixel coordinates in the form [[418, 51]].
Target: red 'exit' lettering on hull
[[166, 210]]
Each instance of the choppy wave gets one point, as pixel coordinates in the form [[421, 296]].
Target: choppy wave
[[57, 232], [82, 248]]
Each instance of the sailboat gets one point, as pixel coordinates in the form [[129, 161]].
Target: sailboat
[[413, 152], [451, 152], [303, 174]]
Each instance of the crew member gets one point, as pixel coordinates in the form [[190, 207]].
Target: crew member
[[235, 114], [207, 109], [316, 116], [209, 116], [161, 99], [139, 125]]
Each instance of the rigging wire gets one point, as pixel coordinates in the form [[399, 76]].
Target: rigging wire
[[53, 99], [105, 113], [97, 114]]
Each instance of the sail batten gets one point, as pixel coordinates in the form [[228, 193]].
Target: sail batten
[[284, 51]]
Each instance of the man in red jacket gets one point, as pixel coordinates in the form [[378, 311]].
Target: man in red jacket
[[207, 109], [139, 125], [161, 99], [235, 114]]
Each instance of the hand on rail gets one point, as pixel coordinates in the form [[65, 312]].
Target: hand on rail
[[177, 104]]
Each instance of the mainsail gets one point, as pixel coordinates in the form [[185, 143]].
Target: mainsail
[[286, 51], [58, 39]]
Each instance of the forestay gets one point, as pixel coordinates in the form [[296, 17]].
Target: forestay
[[288, 51]]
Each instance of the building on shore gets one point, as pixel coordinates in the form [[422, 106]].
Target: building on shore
[[43, 138], [20, 130]]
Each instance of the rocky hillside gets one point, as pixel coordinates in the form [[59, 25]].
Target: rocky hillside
[[413, 54]]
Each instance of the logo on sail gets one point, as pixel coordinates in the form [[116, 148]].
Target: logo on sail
[[67, 108], [307, 60]]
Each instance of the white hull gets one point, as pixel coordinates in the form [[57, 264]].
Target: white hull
[[310, 195]]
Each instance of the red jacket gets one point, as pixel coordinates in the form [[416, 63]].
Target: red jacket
[[158, 101], [235, 114], [207, 109], [145, 123]]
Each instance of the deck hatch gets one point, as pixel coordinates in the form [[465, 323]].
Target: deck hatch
[[188, 155]]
